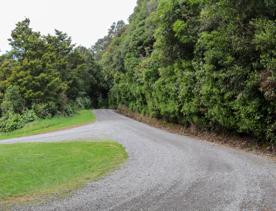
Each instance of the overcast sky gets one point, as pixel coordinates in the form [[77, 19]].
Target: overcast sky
[[84, 20]]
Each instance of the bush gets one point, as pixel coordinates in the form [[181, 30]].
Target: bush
[[46, 110], [83, 102], [205, 63], [13, 101], [12, 121], [29, 116], [70, 109]]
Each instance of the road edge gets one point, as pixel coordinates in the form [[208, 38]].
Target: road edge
[[234, 141]]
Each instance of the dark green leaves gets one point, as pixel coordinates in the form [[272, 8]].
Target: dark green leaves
[[205, 63]]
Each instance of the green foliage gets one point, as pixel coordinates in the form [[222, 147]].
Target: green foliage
[[13, 121], [205, 63], [10, 122], [83, 102], [13, 101], [70, 109], [45, 110], [47, 73], [39, 126]]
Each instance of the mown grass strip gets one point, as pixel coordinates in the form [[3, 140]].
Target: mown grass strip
[[34, 169], [53, 124]]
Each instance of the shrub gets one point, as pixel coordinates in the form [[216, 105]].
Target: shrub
[[13, 101], [29, 116], [12, 121], [45, 110], [83, 102], [205, 63], [70, 109]]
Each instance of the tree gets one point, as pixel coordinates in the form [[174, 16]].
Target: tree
[[50, 71], [204, 63], [115, 30], [13, 101]]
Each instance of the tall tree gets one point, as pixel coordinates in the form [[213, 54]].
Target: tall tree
[[204, 63]]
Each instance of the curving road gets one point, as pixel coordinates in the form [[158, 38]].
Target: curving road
[[166, 171]]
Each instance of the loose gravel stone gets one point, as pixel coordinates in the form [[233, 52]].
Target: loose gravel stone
[[165, 171]]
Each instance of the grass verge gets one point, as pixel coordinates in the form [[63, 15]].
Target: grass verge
[[35, 169], [53, 124]]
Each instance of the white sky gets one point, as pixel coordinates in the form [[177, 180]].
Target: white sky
[[84, 20]]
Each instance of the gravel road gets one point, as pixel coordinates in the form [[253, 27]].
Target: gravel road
[[166, 172]]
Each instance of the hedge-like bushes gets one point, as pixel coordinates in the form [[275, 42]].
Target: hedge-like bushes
[[206, 63]]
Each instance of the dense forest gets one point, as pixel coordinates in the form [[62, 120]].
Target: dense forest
[[44, 76], [210, 64]]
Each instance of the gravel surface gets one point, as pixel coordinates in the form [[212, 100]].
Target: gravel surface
[[166, 171]]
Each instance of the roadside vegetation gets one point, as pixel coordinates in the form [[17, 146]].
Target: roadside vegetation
[[39, 126], [204, 64], [44, 76], [34, 169]]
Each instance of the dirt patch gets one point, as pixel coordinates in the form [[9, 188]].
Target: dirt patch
[[248, 144]]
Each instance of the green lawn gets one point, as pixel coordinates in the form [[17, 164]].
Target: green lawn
[[30, 170], [53, 124]]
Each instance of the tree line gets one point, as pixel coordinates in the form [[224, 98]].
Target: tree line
[[45, 75], [211, 64]]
